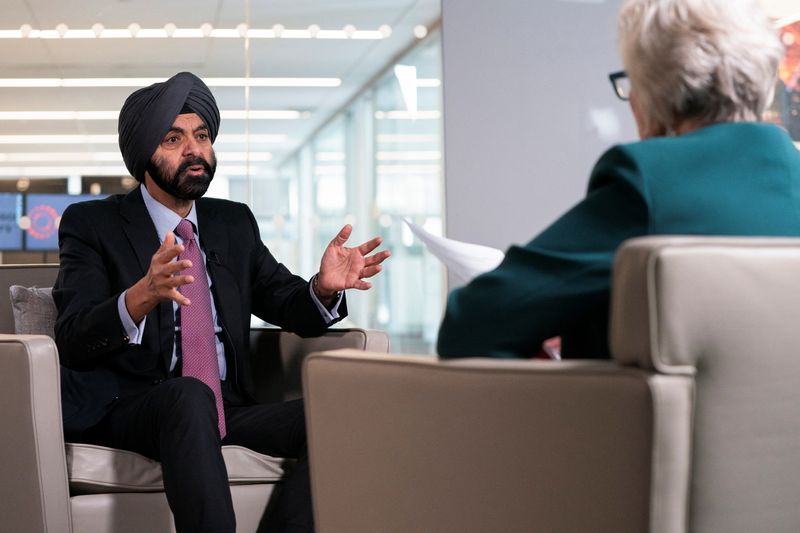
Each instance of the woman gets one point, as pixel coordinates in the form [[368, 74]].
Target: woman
[[702, 72]]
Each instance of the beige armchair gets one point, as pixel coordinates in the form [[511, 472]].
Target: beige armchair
[[46, 486], [694, 426]]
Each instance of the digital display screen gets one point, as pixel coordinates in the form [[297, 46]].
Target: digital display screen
[[44, 214], [10, 232]]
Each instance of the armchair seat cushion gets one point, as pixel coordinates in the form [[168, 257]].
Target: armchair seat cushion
[[97, 469]]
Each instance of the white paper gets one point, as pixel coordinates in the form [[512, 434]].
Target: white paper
[[463, 260]]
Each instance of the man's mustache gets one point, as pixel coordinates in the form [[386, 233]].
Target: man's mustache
[[194, 161]]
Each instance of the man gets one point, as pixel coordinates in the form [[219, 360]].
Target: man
[[154, 296]]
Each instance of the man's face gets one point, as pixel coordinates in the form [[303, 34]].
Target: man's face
[[184, 163]]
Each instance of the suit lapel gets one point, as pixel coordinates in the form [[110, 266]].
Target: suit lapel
[[215, 239], [142, 236], [139, 228]]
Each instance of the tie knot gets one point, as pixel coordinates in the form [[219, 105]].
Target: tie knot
[[185, 230]]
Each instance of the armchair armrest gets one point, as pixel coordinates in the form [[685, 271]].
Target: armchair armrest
[[276, 356], [34, 491], [410, 443]]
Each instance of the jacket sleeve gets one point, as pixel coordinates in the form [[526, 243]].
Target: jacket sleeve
[[541, 289], [88, 325]]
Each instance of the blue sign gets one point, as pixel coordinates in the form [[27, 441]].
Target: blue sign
[[44, 212], [10, 211]]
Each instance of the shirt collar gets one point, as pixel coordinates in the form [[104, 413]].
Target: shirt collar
[[164, 218]]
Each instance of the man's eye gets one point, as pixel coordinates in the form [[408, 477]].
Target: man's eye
[[172, 139], [202, 136]]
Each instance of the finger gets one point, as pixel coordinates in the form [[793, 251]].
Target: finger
[[178, 297], [362, 285], [170, 253], [177, 281], [370, 245], [169, 240], [176, 266], [370, 271], [377, 259], [343, 235]]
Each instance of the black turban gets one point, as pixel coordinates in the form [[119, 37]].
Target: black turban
[[148, 114]]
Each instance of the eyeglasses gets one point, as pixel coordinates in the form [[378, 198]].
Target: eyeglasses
[[621, 84]]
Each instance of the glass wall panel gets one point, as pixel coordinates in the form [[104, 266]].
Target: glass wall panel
[[375, 163], [329, 184], [408, 184]]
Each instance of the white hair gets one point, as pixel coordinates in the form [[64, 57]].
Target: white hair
[[704, 60]]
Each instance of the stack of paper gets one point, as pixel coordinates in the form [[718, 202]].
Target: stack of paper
[[463, 260]]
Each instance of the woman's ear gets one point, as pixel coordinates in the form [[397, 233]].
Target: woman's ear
[[647, 129]]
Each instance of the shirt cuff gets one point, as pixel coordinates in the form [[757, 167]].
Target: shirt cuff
[[133, 331], [329, 315]]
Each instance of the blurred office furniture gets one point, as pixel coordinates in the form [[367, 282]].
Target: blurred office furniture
[[46, 486], [693, 426]]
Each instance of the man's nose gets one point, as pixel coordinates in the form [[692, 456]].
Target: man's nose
[[191, 146]]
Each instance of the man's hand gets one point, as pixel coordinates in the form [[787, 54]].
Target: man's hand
[[345, 268], [161, 281]]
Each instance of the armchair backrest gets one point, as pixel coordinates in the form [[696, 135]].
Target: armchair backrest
[[727, 311], [694, 427]]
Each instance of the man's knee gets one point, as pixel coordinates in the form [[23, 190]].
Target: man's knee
[[188, 396]]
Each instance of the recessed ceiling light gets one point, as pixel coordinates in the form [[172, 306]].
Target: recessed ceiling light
[[233, 114], [111, 157], [206, 30], [110, 170], [141, 82], [263, 138]]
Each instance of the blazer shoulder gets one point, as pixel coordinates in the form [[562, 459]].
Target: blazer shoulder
[[227, 209], [220, 204], [92, 208]]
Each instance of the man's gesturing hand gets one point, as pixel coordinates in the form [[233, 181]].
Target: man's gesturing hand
[[161, 281], [345, 268]]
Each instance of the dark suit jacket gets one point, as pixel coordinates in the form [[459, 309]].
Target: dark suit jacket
[[106, 246]]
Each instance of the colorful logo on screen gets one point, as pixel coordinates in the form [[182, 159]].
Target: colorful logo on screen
[[43, 221]]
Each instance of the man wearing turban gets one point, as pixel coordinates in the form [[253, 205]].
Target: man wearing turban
[[154, 297]]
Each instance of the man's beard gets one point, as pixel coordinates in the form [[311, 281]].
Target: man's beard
[[179, 184]]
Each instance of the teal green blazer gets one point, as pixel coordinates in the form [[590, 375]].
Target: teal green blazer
[[724, 179]]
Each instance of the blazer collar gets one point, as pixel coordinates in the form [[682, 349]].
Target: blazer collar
[[139, 228]]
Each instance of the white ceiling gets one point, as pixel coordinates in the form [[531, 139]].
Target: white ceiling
[[353, 61]]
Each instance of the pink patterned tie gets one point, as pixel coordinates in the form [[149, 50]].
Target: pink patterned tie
[[197, 326]]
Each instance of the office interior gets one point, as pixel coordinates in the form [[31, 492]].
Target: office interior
[[478, 121]]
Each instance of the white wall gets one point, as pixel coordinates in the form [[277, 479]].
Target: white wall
[[528, 108]]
